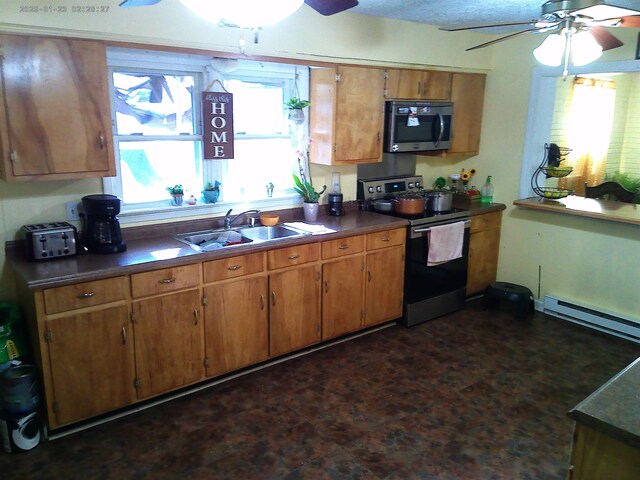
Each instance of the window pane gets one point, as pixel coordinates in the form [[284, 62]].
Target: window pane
[[258, 162], [147, 168], [153, 104], [257, 108]]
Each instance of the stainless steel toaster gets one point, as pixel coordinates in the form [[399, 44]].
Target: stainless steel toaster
[[44, 241]]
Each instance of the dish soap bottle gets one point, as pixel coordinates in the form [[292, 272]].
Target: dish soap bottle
[[486, 192]]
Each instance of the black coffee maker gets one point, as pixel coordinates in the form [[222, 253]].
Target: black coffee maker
[[101, 226]]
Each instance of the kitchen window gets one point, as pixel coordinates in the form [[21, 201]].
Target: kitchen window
[[155, 100]]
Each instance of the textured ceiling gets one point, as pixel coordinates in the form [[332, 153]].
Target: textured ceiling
[[464, 13]]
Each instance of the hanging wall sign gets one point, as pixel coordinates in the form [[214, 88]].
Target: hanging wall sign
[[217, 110]]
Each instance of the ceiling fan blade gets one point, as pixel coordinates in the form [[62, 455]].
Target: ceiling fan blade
[[632, 21], [138, 3], [330, 7], [507, 37], [606, 40], [532, 22]]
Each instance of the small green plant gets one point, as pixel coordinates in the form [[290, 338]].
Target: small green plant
[[176, 190], [209, 187], [304, 188], [295, 103]]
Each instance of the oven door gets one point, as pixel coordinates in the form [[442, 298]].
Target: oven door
[[424, 282]]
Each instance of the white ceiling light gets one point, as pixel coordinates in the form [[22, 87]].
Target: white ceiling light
[[243, 13], [584, 48]]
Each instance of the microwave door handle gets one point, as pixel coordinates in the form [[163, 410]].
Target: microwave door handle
[[441, 132]]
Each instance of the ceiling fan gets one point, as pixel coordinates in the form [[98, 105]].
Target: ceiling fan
[[324, 7], [562, 16]]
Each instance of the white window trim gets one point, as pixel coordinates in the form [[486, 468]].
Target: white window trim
[[120, 58]]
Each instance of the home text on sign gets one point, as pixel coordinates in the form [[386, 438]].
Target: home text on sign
[[217, 136]]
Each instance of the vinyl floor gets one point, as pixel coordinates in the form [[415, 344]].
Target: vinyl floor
[[472, 395]]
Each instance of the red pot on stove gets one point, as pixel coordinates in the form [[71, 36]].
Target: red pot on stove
[[409, 204]]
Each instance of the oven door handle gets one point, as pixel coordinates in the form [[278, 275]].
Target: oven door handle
[[467, 223]]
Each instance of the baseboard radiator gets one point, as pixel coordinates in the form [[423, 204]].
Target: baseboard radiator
[[590, 317]]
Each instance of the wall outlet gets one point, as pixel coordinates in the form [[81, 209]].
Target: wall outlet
[[73, 210]]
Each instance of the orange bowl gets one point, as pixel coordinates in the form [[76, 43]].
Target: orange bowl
[[268, 219]]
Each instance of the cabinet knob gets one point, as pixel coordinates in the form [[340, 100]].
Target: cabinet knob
[[86, 295], [293, 257], [167, 280], [343, 247], [234, 267]]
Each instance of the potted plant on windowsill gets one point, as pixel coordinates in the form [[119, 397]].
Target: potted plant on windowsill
[[295, 106], [211, 192], [310, 197], [176, 192]]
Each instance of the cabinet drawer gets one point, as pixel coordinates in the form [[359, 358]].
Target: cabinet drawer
[[86, 294], [286, 257], [487, 220], [165, 280], [342, 247], [233, 267], [387, 238]]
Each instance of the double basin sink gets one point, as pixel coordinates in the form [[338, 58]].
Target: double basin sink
[[209, 240]]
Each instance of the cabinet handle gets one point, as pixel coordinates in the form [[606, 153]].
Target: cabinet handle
[[369, 275], [234, 267], [101, 140], [293, 257], [378, 138], [261, 302], [195, 316], [123, 333], [167, 280], [343, 247], [273, 298], [86, 295], [419, 87], [385, 239], [326, 286]]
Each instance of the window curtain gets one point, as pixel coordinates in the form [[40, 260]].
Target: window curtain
[[588, 131]]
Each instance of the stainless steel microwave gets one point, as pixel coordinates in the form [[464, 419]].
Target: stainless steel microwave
[[415, 126]]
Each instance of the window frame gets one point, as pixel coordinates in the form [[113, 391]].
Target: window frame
[[142, 61]]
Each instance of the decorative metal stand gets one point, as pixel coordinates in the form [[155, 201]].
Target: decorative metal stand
[[550, 167]]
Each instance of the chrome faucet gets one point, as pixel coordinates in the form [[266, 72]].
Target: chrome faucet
[[228, 221]]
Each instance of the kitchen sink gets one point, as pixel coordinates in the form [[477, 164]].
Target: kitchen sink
[[209, 240], [268, 233]]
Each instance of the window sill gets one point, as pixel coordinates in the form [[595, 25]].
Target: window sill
[[585, 207], [160, 214]]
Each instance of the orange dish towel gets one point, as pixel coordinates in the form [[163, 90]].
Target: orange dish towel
[[445, 243]]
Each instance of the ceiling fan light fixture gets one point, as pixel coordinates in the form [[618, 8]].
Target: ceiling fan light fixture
[[584, 48], [243, 13], [551, 50]]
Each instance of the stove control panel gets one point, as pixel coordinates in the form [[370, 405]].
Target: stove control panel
[[387, 187]]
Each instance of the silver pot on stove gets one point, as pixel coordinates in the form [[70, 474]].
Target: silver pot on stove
[[383, 205], [438, 200]]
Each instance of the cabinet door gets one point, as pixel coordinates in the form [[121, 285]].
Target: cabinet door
[[467, 95], [483, 259], [418, 84], [385, 284], [236, 325], [342, 296], [92, 363], [360, 115], [294, 317], [169, 346], [55, 120]]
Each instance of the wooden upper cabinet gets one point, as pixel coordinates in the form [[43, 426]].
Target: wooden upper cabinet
[[467, 95], [346, 115], [418, 85], [54, 109]]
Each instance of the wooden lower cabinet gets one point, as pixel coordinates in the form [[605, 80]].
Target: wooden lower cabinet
[[92, 363], [169, 342], [294, 317], [385, 285], [236, 325], [342, 296], [484, 247]]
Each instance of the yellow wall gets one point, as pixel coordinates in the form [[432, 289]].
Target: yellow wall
[[582, 259]]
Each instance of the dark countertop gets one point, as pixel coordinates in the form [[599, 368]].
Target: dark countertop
[[614, 409], [154, 247]]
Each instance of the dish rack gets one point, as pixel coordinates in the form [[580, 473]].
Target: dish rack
[[550, 168]]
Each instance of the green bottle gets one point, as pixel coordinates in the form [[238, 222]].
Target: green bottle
[[486, 192]]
